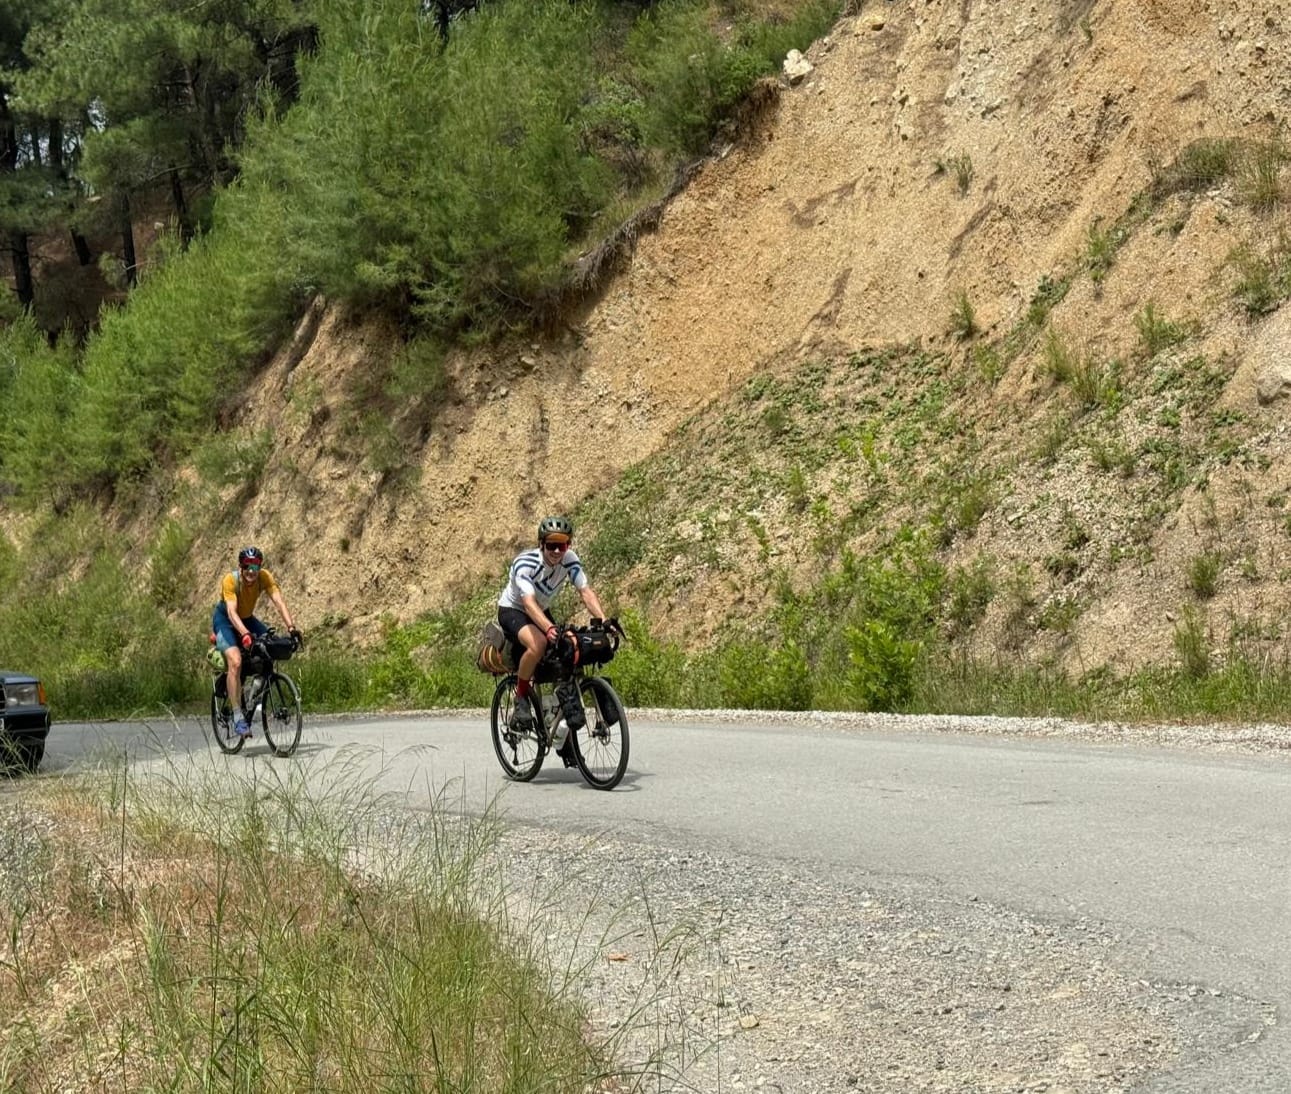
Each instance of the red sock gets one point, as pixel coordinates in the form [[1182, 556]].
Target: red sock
[[523, 686]]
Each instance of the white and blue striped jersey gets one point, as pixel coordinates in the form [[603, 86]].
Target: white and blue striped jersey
[[531, 575]]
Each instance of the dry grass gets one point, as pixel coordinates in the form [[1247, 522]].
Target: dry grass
[[189, 935]]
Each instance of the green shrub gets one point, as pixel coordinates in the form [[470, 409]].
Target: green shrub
[[970, 590], [1101, 245], [235, 458], [1203, 574], [1192, 644], [39, 386], [1199, 166], [171, 577], [963, 319], [157, 372], [1260, 180], [1156, 332], [1263, 280], [881, 675], [756, 675], [647, 672], [960, 168], [1048, 295], [83, 622], [692, 78], [619, 540], [990, 365]]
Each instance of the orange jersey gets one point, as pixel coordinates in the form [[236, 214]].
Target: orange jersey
[[232, 586]]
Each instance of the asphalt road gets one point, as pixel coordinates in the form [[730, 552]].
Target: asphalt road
[[1185, 854]]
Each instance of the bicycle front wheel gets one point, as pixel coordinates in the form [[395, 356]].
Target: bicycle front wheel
[[280, 714], [601, 746], [222, 724], [520, 747]]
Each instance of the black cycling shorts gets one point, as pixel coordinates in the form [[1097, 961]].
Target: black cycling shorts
[[512, 620]]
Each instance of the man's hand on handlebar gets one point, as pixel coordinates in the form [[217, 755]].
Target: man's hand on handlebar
[[246, 641], [553, 634], [296, 636]]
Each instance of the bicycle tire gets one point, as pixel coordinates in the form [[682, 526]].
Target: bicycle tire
[[280, 714], [601, 746], [520, 752], [221, 728]]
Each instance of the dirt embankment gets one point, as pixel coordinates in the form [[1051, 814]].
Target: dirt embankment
[[841, 218]]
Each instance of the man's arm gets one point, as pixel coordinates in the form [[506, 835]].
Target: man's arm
[[592, 601], [231, 606], [281, 606]]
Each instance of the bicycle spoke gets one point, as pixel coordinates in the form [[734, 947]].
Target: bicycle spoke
[[519, 749], [280, 714], [602, 751]]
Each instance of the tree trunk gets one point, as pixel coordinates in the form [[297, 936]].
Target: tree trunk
[[8, 136], [181, 208], [18, 250], [83, 254], [22, 282], [127, 243], [56, 161]]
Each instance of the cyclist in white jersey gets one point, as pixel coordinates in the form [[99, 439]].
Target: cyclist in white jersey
[[536, 577]]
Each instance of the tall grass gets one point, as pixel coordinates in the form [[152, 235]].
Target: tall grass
[[194, 928]]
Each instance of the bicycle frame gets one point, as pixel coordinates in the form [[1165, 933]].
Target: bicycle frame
[[598, 747], [267, 695]]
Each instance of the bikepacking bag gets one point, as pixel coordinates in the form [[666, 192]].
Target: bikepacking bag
[[491, 656], [595, 646], [280, 647]]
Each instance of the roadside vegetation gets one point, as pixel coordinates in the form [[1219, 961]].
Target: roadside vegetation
[[194, 929], [877, 466], [449, 179]]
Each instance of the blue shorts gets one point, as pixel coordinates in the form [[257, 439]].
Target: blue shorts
[[225, 636]]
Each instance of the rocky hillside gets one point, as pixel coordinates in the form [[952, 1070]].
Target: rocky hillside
[[1019, 268]]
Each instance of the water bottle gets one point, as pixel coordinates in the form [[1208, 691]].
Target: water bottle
[[558, 738], [251, 690], [550, 709]]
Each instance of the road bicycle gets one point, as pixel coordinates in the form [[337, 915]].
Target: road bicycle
[[268, 695], [574, 711]]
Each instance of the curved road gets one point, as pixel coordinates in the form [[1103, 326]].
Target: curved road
[[1184, 854]]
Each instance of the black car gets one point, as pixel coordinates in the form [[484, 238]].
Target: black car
[[24, 721]]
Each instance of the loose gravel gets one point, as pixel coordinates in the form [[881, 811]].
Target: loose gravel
[[737, 974]]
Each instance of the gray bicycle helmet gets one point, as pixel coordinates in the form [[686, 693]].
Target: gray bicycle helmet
[[560, 526]]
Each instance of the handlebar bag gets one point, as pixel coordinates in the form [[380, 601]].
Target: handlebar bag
[[595, 647], [280, 647]]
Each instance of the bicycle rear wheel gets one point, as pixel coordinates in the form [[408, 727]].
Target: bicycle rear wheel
[[520, 751], [222, 717], [280, 714], [601, 746]]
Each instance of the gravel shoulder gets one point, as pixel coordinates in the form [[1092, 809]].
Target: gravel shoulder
[[732, 974], [1250, 737]]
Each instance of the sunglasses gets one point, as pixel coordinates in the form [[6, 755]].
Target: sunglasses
[[557, 547], [252, 570]]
